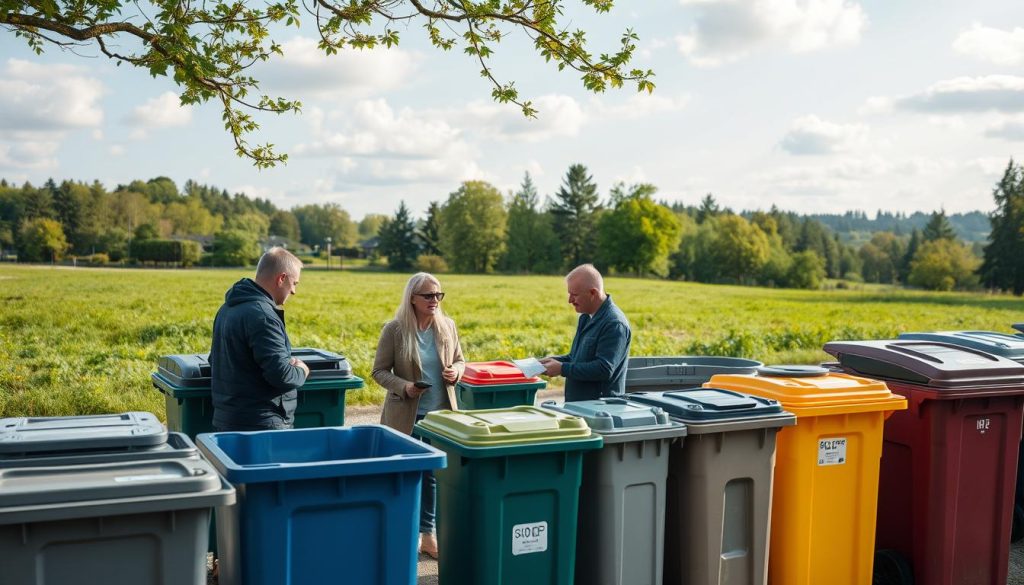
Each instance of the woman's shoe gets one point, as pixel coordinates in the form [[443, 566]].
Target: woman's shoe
[[428, 544]]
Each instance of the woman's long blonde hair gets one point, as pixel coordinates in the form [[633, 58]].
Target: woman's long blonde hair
[[405, 315]]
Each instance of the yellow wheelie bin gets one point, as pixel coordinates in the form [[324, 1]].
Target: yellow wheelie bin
[[826, 472]]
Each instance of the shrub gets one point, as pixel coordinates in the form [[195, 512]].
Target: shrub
[[431, 263], [98, 259]]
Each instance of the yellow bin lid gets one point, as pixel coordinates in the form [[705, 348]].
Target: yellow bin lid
[[826, 393]]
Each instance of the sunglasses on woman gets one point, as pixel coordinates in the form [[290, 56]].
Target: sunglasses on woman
[[431, 296]]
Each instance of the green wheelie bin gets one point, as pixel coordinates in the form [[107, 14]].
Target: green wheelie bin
[[508, 500]]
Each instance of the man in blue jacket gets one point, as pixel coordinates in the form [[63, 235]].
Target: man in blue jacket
[[254, 377], [596, 364]]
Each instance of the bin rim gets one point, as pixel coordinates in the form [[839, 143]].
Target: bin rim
[[672, 430], [99, 508], [594, 441], [168, 388], [862, 391], [426, 459], [529, 384]]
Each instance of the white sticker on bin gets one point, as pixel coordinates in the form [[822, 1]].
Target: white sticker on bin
[[832, 451], [150, 477], [529, 538]]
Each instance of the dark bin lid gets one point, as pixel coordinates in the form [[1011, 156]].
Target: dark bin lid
[[792, 371], [31, 486], [1001, 344], [193, 369], [928, 363], [178, 446], [708, 404], [78, 433], [613, 417]]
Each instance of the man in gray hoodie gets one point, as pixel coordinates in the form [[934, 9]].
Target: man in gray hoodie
[[254, 377]]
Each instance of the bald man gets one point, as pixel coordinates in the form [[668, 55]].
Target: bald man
[[596, 364]]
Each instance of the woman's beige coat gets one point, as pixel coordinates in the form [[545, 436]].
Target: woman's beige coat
[[393, 373]]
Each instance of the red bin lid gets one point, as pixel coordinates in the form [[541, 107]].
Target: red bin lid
[[484, 373]]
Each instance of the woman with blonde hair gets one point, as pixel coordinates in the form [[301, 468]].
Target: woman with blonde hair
[[419, 360]]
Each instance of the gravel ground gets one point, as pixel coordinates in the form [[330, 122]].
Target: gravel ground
[[428, 566]]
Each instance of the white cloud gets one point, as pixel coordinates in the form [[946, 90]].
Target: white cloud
[[39, 105], [36, 156], [305, 69], [374, 129], [48, 98], [640, 105], [1009, 129], [163, 111], [1000, 93], [992, 44], [812, 135], [116, 150], [558, 116], [728, 30], [376, 144]]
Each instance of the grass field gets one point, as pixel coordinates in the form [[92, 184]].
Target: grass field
[[80, 341]]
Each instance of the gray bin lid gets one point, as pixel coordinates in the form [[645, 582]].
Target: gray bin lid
[[193, 370], [714, 407], [1001, 344], [618, 420], [178, 446], [77, 433], [32, 486], [42, 494], [683, 371], [938, 365]]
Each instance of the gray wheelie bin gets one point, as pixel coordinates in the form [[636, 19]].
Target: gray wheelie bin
[[719, 485], [620, 534], [101, 500]]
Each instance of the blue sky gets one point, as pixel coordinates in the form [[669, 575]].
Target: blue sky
[[810, 105]]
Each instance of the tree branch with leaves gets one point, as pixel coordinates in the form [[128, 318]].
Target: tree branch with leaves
[[208, 47]]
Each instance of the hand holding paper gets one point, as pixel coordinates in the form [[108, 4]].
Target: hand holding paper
[[529, 366]]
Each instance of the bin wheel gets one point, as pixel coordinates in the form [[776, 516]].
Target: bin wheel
[[892, 568]]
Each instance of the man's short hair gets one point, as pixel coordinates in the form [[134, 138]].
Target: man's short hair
[[588, 274], [276, 261]]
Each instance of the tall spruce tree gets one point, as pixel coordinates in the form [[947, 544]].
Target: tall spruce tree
[[430, 231], [938, 228], [1002, 267], [531, 246], [398, 240], [573, 210]]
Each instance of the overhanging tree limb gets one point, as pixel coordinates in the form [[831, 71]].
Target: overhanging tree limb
[[208, 47]]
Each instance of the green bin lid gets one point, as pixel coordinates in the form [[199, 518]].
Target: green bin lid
[[515, 430], [618, 420]]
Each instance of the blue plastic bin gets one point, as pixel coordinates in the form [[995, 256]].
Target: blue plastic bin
[[323, 505]]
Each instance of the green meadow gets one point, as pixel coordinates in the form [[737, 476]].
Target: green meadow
[[82, 341]]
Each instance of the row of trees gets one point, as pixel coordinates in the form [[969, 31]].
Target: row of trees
[[72, 218], [477, 229]]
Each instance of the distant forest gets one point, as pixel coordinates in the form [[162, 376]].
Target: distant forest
[[478, 228]]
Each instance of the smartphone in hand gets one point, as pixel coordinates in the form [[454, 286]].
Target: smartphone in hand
[[421, 384]]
